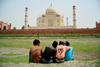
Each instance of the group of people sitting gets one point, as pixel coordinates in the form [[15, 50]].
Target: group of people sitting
[[53, 53]]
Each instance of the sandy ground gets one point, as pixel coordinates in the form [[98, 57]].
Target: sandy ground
[[24, 52], [73, 63], [21, 51]]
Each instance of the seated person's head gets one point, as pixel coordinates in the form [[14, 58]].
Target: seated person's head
[[36, 42], [61, 42], [67, 43], [54, 44]]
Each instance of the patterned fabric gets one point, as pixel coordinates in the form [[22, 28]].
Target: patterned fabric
[[61, 51]]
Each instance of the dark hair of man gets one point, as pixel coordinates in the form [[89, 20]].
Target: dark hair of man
[[54, 44], [67, 43], [60, 43], [35, 42]]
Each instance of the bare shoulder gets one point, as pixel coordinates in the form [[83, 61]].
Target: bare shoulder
[[67, 47], [40, 47], [32, 47]]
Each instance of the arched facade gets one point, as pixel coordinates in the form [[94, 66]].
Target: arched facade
[[50, 22], [4, 26]]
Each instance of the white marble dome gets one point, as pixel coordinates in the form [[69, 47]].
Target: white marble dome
[[43, 15], [51, 10], [57, 14]]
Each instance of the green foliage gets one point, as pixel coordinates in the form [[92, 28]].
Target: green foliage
[[87, 28], [96, 35], [28, 25], [14, 28], [72, 31], [50, 35], [22, 27]]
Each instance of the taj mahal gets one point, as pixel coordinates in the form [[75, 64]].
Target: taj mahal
[[51, 20]]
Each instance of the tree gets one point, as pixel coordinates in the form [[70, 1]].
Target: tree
[[22, 27], [28, 25], [87, 28], [14, 28]]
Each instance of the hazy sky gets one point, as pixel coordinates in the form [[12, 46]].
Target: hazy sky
[[13, 11]]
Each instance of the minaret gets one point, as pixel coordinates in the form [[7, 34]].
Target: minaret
[[74, 17], [51, 4], [67, 21], [26, 26]]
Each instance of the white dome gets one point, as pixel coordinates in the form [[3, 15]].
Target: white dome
[[51, 10], [57, 14], [43, 15]]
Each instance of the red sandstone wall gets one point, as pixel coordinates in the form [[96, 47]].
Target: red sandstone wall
[[97, 25], [51, 31]]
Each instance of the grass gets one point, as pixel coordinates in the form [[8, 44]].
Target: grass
[[15, 43], [11, 54], [85, 45], [23, 59], [97, 63], [79, 44], [50, 35], [82, 59]]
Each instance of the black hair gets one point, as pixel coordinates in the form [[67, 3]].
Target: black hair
[[67, 43], [54, 44], [35, 42], [60, 42]]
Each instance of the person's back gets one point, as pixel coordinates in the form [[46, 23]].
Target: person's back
[[35, 52], [49, 52], [69, 53], [60, 52], [61, 49]]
